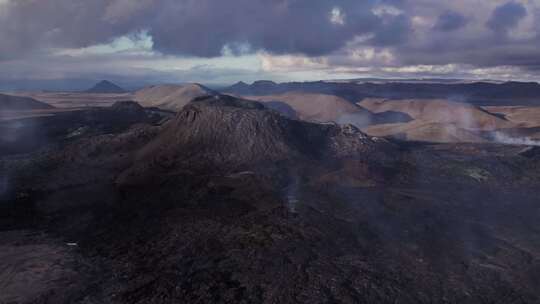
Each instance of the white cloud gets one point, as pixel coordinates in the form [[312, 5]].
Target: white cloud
[[371, 56], [283, 63], [135, 44], [418, 69], [386, 10], [337, 16]]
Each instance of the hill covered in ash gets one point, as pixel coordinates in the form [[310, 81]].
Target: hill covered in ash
[[170, 96], [230, 202]]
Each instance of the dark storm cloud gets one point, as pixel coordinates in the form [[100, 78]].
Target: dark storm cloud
[[203, 27], [475, 44], [380, 33], [28, 26], [524, 56], [450, 21], [506, 16], [196, 27], [395, 31]]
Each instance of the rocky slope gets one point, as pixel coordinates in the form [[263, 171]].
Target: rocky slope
[[227, 131]]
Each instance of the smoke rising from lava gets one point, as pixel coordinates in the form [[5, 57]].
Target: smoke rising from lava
[[509, 140]]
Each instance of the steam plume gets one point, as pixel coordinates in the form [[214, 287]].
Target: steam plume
[[508, 140]]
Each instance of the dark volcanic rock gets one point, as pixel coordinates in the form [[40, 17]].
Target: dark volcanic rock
[[227, 133], [230, 202], [530, 152], [226, 130], [28, 134]]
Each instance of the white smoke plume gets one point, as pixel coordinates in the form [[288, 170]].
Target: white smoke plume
[[292, 192], [509, 140]]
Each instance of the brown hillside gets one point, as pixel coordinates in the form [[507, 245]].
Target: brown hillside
[[319, 107], [170, 97], [440, 111]]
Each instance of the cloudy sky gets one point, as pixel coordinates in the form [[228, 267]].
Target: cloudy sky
[[222, 41]]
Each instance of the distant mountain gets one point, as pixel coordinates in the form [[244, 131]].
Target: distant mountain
[[15, 103], [415, 80], [260, 87], [479, 93], [105, 87], [171, 97], [239, 87]]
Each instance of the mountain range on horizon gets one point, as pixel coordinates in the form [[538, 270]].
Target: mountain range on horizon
[[68, 84], [482, 93]]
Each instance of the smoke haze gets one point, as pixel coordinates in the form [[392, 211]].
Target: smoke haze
[[509, 140]]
